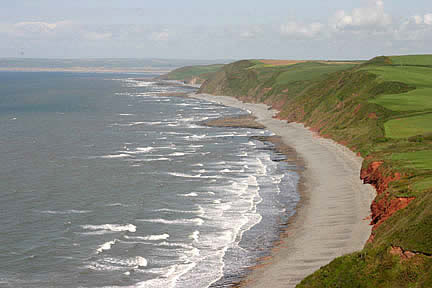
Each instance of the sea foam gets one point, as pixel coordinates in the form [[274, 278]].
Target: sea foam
[[111, 227]]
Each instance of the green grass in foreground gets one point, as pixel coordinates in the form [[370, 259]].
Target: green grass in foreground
[[409, 126]]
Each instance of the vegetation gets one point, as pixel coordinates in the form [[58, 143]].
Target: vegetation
[[192, 74], [409, 126], [381, 109]]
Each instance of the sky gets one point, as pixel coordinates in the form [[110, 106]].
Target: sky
[[223, 29]]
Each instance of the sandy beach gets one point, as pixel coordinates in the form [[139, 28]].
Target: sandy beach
[[332, 218]]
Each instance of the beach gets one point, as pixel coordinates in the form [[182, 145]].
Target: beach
[[332, 218]]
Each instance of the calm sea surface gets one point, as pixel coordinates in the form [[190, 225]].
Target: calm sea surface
[[105, 182]]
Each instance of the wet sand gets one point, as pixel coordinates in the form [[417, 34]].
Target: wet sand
[[332, 217]]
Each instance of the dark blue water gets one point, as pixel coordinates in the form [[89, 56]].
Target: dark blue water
[[106, 182]]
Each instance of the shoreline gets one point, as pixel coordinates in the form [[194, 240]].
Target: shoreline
[[331, 218]]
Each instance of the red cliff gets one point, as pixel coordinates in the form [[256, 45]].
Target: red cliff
[[386, 206]]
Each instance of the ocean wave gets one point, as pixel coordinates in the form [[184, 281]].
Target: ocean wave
[[277, 179], [195, 137], [168, 276], [175, 133], [149, 238], [153, 123], [177, 154], [194, 126], [117, 205], [184, 175], [111, 227], [134, 124], [135, 262], [200, 171], [97, 232], [106, 246], [232, 171], [228, 135], [96, 266], [156, 159], [184, 104], [116, 264], [192, 194], [114, 156], [138, 150], [194, 236], [180, 211], [72, 211], [196, 221], [175, 244]]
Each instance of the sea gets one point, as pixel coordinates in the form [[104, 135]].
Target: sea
[[108, 181]]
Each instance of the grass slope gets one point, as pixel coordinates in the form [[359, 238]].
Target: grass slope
[[188, 73], [273, 84], [381, 109], [409, 126]]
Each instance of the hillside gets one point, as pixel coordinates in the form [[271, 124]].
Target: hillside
[[192, 74], [381, 109]]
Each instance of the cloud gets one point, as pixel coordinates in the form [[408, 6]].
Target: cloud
[[163, 35], [418, 19], [251, 32], [372, 16], [95, 36], [42, 27], [426, 19], [300, 30], [36, 28], [247, 35], [415, 28]]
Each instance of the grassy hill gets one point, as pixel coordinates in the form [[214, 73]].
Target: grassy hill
[[381, 109], [192, 74]]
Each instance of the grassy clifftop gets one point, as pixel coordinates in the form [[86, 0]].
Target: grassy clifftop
[[192, 74], [257, 81], [381, 109]]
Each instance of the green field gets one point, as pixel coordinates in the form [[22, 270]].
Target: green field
[[309, 71], [419, 78], [412, 60], [410, 126], [423, 184], [418, 159]]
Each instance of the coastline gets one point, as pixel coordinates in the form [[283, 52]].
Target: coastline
[[332, 217]]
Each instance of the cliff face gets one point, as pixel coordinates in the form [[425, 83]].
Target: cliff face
[[382, 207], [339, 105]]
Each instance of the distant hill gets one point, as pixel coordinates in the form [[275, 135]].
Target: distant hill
[[381, 109], [192, 74]]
